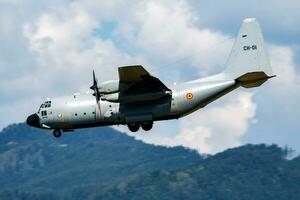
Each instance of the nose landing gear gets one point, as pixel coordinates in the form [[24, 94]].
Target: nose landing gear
[[57, 133]]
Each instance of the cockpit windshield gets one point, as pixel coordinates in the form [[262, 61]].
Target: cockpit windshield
[[47, 104], [42, 106]]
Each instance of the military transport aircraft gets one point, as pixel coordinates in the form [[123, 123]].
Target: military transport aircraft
[[138, 99]]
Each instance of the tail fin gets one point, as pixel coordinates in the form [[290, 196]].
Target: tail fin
[[248, 62]]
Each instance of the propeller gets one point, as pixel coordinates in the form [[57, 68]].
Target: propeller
[[95, 88]]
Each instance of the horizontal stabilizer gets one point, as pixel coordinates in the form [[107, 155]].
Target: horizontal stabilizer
[[253, 79]]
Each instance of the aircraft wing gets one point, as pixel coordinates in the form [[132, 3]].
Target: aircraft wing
[[136, 83]]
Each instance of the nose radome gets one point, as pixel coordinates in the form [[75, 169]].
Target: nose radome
[[33, 120]]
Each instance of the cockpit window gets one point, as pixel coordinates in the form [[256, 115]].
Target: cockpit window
[[47, 104], [44, 113]]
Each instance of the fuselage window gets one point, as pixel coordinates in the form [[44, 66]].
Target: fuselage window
[[75, 114], [84, 113]]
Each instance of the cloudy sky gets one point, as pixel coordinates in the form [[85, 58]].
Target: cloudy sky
[[49, 48]]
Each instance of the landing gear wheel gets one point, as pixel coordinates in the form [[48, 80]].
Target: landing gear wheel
[[57, 133], [147, 126], [134, 127]]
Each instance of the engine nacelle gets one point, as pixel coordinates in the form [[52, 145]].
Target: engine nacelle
[[113, 97], [109, 87]]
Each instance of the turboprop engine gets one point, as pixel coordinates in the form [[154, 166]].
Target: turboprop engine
[[109, 87]]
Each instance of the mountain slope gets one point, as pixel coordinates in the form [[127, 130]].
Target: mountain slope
[[249, 172], [31, 159], [103, 163]]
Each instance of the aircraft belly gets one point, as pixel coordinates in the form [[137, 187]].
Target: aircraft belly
[[148, 112]]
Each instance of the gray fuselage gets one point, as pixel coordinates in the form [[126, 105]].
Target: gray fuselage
[[80, 111]]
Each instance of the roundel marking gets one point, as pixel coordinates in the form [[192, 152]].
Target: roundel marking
[[189, 96]]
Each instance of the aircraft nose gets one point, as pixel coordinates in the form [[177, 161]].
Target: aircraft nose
[[33, 120]]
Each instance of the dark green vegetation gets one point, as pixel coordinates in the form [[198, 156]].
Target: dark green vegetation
[[102, 163]]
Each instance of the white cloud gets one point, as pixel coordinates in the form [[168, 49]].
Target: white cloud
[[64, 44], [168, 32], [283, 64], [281, 95]]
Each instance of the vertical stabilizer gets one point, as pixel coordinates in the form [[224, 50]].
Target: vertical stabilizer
[[248, 61]]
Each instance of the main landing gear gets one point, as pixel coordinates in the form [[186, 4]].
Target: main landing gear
[[57, 133], [134, 127], [147, 126]]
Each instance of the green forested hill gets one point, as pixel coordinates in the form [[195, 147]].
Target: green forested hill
[[248, 172], [32, 159], [101, 163]]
